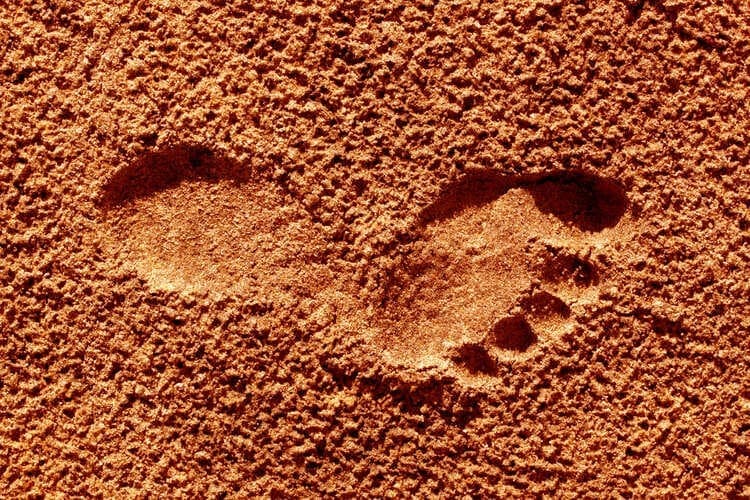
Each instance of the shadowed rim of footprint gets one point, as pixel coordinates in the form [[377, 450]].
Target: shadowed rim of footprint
[[166, 168], [583, 200]]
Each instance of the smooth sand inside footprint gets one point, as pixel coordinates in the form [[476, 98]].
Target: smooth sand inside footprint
[[186, 220]]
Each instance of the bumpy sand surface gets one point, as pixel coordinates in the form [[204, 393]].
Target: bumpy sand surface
[[430, 249]]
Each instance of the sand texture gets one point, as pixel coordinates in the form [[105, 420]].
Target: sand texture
[[358, 249]]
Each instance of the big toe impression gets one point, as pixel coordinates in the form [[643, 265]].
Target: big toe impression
[[585, 201]]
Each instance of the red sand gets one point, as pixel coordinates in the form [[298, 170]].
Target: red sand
[[373, 249]]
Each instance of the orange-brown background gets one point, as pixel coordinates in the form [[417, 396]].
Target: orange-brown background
[[362, 111]]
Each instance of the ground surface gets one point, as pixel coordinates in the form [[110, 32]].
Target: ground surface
[[370, 248]]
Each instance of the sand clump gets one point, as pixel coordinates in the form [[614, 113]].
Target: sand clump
[[374, 249]]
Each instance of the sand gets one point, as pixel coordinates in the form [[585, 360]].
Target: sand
[[370, 249]]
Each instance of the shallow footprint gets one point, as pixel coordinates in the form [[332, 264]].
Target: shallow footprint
[[188, 219], [470, 291]]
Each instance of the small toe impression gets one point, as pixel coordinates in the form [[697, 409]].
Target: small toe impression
[[475, 358], [565, 267], [513, 333], [543, 305]]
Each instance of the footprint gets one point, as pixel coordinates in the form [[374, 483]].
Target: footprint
[[187, 218], [499, 266]]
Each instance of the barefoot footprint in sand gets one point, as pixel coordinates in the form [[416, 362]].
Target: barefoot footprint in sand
[[188, 219], [501, 265]]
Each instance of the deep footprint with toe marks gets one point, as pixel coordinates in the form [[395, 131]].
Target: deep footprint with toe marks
[[499, 268], [187, 218], [500, 264]]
